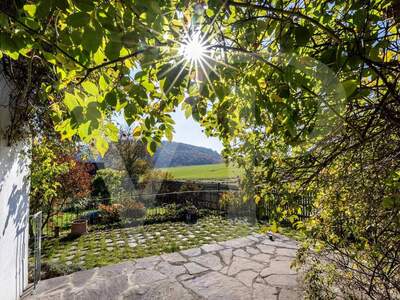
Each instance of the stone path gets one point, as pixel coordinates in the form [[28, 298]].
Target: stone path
[[252, 267]]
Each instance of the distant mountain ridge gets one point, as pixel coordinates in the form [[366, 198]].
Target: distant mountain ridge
[[172, 154]]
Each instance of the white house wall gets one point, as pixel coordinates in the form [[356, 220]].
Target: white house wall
[[14, 209]]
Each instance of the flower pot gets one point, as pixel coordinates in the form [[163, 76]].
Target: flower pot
[[79, 227], [191, 218]]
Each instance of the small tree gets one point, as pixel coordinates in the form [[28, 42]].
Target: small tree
[[130, 155], [56, 177]]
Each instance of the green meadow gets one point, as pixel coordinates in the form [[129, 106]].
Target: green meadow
[[213, 171]]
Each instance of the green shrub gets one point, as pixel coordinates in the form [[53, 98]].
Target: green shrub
[[110, 213], [132, 210], [156, 175], [190, 186], [50, 270]]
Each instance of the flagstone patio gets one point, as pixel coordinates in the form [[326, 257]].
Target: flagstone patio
[[253, 267]]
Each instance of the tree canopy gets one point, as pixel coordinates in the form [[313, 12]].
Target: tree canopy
[[304, 95]]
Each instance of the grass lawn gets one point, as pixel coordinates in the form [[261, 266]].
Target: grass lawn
[[113, 246], [214, 171]]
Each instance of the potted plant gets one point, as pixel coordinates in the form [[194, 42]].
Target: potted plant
[[191, 214], [79, 227]]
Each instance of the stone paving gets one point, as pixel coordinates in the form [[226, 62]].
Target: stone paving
[[252, 267], [93, 249]]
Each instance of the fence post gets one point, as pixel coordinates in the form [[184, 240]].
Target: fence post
[[37, 232]]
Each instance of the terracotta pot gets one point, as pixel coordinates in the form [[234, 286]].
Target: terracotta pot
[[79, 227]]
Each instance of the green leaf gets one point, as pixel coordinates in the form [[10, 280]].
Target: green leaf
[[102, 145], [90, 88], [78, 19], [302, 35], [112, 132], [152, 147], [168, 134], [30, 9], [111, 98], [349, 87], [85, 5], [103, 83], [83, 130], [70, 101], [130, 39], [137, 132], [113, 50], [93, 114], [91, 39]]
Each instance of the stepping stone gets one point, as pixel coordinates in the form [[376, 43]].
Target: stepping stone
[[278, 267], [226, 255], [132, 245], [170, 270], [194, 268], [241, 253], [212, 247], [147, 262], [184, 277], [146, 277], [238, 243], [266, 249], [208, 260], [291, 294], [163, 289], [286, 252], [80, 278], [173, 257], [264, 292], [191, 252], [214, 285], [241, 264], [263, 258], [247, 277], [282, 280], [252, 250], [120, 242]]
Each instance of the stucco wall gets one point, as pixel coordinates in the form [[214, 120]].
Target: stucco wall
[[14, 210]]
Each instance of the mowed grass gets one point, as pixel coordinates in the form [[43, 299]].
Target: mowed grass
[[214, 171]]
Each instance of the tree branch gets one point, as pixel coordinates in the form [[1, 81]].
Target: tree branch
[[329, 31]]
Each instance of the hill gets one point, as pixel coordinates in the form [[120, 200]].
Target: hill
[[214, 171], [172, 154]]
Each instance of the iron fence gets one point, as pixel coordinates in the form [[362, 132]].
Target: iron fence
[[203, 199]]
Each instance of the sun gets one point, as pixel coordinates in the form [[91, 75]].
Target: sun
[[193, 48]]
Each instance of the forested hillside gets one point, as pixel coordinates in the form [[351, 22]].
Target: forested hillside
[[171, 154]]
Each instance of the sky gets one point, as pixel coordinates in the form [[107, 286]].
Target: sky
[[188, 131]]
